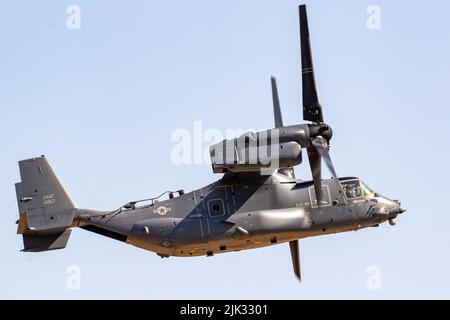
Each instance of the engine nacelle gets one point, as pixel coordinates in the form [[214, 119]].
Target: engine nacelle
[[278, 148]]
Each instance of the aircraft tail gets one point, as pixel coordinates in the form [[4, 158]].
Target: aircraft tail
[[46, 212]]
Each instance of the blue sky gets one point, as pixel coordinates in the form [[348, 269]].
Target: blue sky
[[102, 102]]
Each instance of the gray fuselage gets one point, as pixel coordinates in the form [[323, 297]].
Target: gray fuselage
[[241, 212]]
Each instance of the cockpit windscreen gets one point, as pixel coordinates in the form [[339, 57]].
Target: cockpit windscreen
[[355, 188]]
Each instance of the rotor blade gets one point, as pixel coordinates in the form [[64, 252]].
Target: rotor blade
[[276, 104], [321, 145], [295, 255], [312, 111], [315, 164], [279, 121]]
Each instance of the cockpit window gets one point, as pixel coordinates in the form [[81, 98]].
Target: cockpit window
[[352, 189], [355, 188], [366, 190]]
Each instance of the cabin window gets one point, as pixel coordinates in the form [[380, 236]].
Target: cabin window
[[216, 207]]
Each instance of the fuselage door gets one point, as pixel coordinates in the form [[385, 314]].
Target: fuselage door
[[326, 201], [219, 205]]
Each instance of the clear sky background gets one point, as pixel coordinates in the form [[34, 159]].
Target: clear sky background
[[102, 102]]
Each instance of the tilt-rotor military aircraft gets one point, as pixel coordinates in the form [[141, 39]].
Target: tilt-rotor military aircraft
[[253, 205]]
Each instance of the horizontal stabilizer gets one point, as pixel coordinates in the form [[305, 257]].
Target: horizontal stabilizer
[[38, 243]]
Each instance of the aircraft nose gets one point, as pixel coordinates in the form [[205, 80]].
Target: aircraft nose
[[397, 207], [394, 210], [386, 207]]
